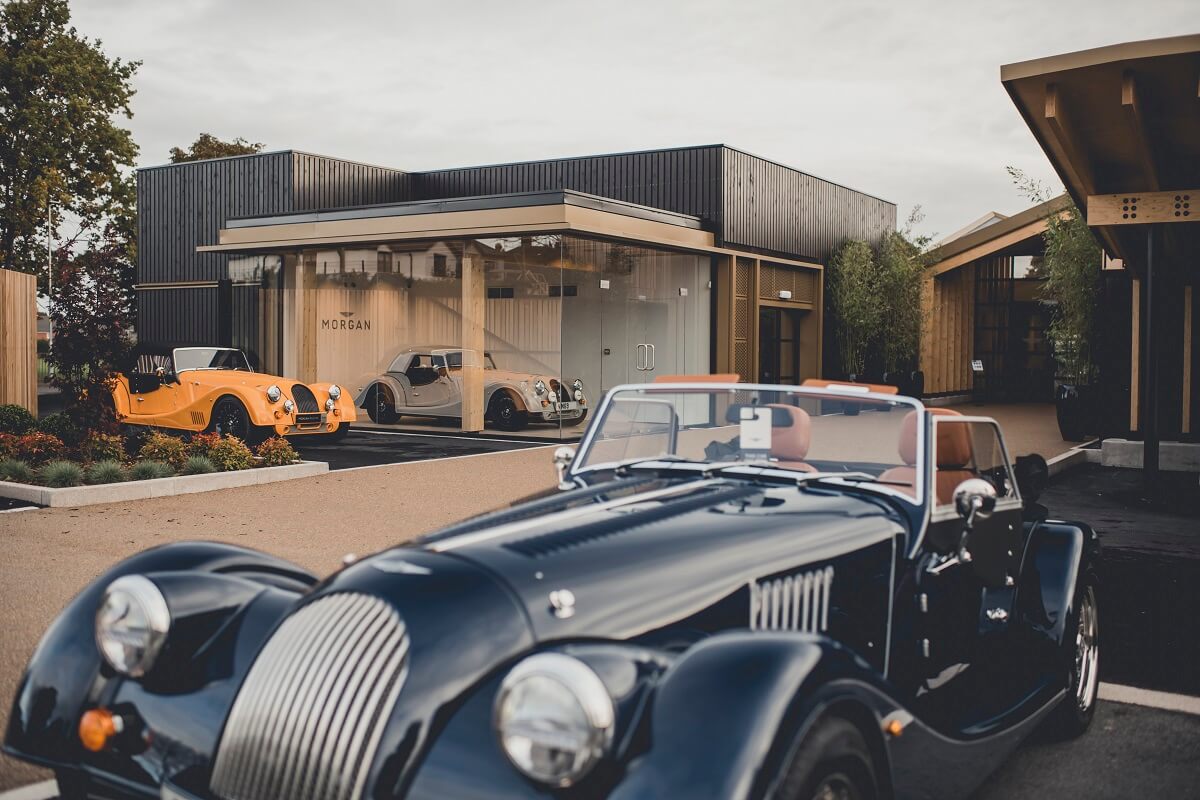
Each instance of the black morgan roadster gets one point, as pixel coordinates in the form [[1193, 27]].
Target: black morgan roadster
[[736, 591]]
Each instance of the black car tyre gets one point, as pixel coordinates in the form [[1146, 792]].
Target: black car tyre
[[504, 414], [380, 406], [833, 762], [1082, 651], [230, 418]]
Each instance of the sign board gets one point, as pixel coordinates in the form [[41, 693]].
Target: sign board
[[976, 365]]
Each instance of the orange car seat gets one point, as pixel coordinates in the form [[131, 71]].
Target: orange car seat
[[954, 455], [789, 445]]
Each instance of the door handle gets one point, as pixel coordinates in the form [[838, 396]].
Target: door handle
[[653, 357], [642, 356]]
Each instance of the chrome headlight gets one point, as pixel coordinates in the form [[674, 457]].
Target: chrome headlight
[[540, 386], [554, 718], [132, 624], [578, 385], [330, 405], [335, 391], [274, 393], [289, 406]]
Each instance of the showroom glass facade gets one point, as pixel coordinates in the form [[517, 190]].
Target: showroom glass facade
[[555, 307]]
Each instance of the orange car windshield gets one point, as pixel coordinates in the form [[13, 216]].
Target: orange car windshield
[[210, 358]]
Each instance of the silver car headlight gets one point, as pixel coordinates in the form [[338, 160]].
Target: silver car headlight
[[335, 391], [540, 386], [274, 393], [132, 624], [330, 405], [289, 406], [578, 386], [554, 718]]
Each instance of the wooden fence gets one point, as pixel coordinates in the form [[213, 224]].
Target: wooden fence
[[18, 339]]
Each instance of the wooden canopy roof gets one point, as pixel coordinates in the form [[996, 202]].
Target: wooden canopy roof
[[1121, 126]]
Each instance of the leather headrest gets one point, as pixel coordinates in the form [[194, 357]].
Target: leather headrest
[[954, 441], [790, 442]]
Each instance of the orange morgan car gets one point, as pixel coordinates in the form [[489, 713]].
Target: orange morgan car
[[193, 389]]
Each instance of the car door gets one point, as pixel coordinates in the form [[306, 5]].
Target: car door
[[153, 388], [966, 579], [429, 386]]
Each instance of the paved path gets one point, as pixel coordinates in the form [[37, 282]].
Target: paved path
[[362, 448]]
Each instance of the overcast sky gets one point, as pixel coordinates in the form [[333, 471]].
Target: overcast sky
[[899, 99]]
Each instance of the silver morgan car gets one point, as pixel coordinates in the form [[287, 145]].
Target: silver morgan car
[[427, 382]]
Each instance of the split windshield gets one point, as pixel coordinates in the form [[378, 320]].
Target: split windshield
[[799, 430], [210, 358]]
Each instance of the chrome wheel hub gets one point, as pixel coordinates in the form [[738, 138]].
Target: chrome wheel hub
[[1087, 652]]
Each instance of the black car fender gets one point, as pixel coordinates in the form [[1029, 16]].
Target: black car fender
[[727, 716], [1057, 557], [65, 669]]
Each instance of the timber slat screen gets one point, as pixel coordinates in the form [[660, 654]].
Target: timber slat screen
[[18, 338]]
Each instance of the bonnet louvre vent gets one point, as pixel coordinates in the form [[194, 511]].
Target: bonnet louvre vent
[[794, 603], [309, 716]]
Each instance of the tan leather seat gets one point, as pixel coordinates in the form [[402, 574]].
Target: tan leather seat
[[954, 454], [789, 445]]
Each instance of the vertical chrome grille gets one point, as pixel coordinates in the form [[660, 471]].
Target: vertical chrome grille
[[308, 719], [306, 401], [793, 603]]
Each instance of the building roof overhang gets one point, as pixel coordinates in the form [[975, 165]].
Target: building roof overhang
[[1119, 120], [1018, 235], [488, 216]]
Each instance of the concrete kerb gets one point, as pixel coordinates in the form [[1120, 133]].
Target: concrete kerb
[[1076, 456], [158, 487]]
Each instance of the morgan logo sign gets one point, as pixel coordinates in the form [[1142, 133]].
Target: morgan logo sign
[[346, 323]]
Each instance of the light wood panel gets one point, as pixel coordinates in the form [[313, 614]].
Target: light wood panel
[[18, 339], [474, 307], [948, 332], [1181, 205]]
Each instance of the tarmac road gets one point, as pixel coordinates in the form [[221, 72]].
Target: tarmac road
[[369, 448]]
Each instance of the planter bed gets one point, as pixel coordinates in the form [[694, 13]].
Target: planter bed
[[157, 487]]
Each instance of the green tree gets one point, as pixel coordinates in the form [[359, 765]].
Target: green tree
[[209, 146], [93, 314], [59, 143], [855, 301], [902, 261], [1071, 268]]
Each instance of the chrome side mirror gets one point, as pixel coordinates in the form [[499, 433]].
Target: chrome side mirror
[[563, 456]]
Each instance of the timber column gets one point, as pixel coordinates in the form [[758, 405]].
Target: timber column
[[474, 308]]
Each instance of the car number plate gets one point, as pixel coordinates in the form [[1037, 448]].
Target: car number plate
[[570, 406]]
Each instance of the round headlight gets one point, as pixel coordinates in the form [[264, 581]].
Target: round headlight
[[132, 624], [554, 718], [330, 405], [578, 384], [335, 391], [540, 386], [288, 406], [274, 393]]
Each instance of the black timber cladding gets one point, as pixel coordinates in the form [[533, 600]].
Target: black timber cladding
[[183, 206], [684, 180], [746, 201]]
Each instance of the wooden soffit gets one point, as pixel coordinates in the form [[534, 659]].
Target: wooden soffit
[[1119, 121]]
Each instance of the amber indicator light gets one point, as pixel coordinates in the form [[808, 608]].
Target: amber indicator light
[[97, 727], [894, 727]]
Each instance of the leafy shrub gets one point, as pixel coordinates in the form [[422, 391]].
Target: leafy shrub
[[97, 446], [8, 445], [201, 444], [17, 471], [60, 425], [38, 448], [61, 474], [197, 465], [165, 448], [230, 454], [16, 419], [148, 470], [276, 452], [106, 471]]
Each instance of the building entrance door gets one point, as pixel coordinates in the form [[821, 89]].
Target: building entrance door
[[779, 346]]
